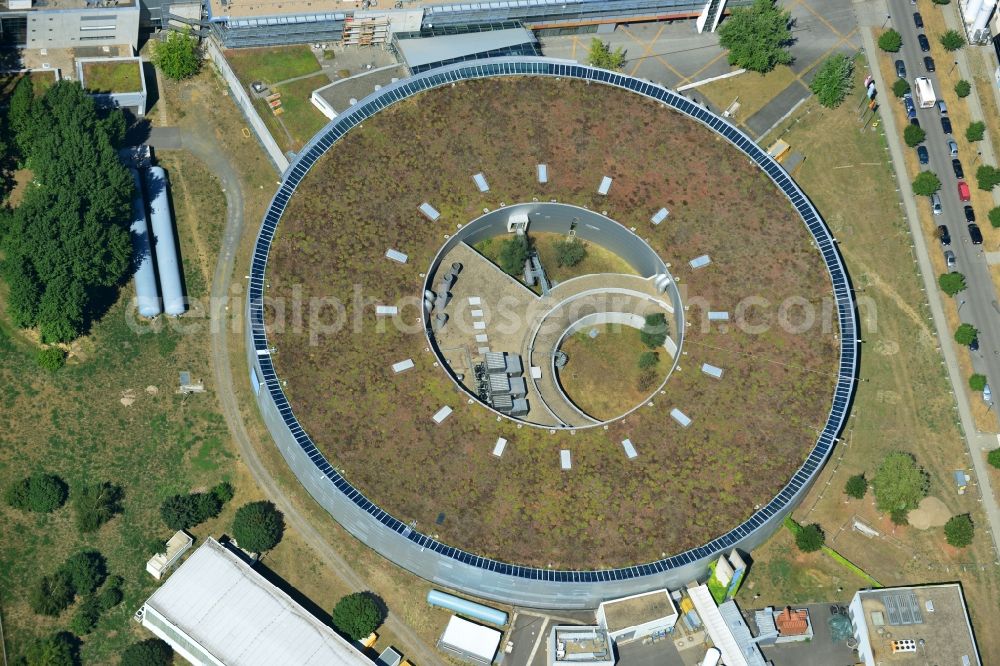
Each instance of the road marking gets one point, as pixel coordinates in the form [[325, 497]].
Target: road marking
[[538, 641], [647, 49], [688, 79]]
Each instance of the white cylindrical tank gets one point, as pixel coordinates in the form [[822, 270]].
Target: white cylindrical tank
[[167, 263], [712, 657], [146, 295], [983, 17]]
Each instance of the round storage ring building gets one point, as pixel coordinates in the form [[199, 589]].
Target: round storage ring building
[[372, 395]]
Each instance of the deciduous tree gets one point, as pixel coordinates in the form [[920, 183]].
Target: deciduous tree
[[357, 615], [757, 36]]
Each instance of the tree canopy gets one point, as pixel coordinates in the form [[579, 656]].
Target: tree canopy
[[810, 538], [833, 80], [900, 87], [965, 334], [357, 615], [60, 649], [959, 530], [856, 486], [926, 183], [258, 526], [41, 493], [913, 135], [987, 177], [177, 55], [977, 382], [648, 359], [69, 236], [513, 254], [963, 88], [757, 36], [952, 40], [975, 131], [96, 504], [570, 252], [601, 55], [890, 41], [150, 652], [899, 484], [951, 283], [993, 458]]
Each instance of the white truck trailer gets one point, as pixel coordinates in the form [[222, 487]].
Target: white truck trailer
[[923, 91]]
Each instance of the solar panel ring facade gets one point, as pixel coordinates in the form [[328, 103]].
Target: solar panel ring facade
[[749, 529]]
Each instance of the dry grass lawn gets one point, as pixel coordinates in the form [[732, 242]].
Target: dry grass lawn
[[752, 90]]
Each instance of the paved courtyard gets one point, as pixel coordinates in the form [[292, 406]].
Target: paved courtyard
[[676, 56]]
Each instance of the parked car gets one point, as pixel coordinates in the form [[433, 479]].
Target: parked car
[[914, 120], [975, 235], [929, 63], [922, 154], [908, 104], [963, 191], [956, 166], [936, 203], [970, 214], [901, 69], [946, 124], [925, 46], [942, 108], [943, 235], [949, 259], [952, 148], [918, 20], [974, 345]]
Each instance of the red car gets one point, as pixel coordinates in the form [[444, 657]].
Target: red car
[[963, 191]]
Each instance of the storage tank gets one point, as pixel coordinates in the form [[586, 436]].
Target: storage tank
[[972, 8], [167, 264], [146, 295], [712, 657], [466, 607]]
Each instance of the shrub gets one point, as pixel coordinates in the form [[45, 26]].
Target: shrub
[[569, 252], [900, 87], [177, 56], [963, 88], [357, 615], [111, 593], [654, 331], [52, 594], [62, 649], [648, 360], [50, 358], [150, 652], [833, 80], [856, 486], [994, 216], [513, 254], [952, 40], [977, 382], [85, 618], [646, 380], [914, 136], [959, 530], [965, 334], [181, 512], [96, 504], [993, 458], [975, 131], [258, 526], [810, 538], [41, 493], [899, 516], [987, 177], [951, 283], [899, 483], [890, 41]]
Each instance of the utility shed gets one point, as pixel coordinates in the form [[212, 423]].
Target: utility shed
[[470, 641], [216, 609]]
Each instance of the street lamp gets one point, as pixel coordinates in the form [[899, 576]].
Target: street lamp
[[886, 22], [961, 302], [953, 66]]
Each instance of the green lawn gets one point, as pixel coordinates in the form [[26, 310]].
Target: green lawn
[[301, 118], [598, 260], [113, 77], [40, 82], [272, 64]]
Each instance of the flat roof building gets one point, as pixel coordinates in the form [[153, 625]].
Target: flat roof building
[[216, 609], [580, 646], [927, 624], [637, 616], [469, 641]]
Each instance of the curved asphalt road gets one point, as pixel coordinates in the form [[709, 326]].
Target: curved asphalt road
[[204, 146]]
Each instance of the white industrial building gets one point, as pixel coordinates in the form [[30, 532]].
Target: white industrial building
[[216, 610], [638, 616]]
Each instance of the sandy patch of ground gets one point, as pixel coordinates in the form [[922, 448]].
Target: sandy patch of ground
[[931, 513]]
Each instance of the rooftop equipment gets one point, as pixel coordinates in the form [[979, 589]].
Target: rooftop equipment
[[519, 407], [660, 216], [146, 295], [167, 262], [605, 186]]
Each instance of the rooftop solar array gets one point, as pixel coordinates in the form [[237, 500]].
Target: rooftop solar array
[[533, 66], [902, 608]]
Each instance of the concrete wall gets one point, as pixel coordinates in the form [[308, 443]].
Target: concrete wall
[[89, 26]]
